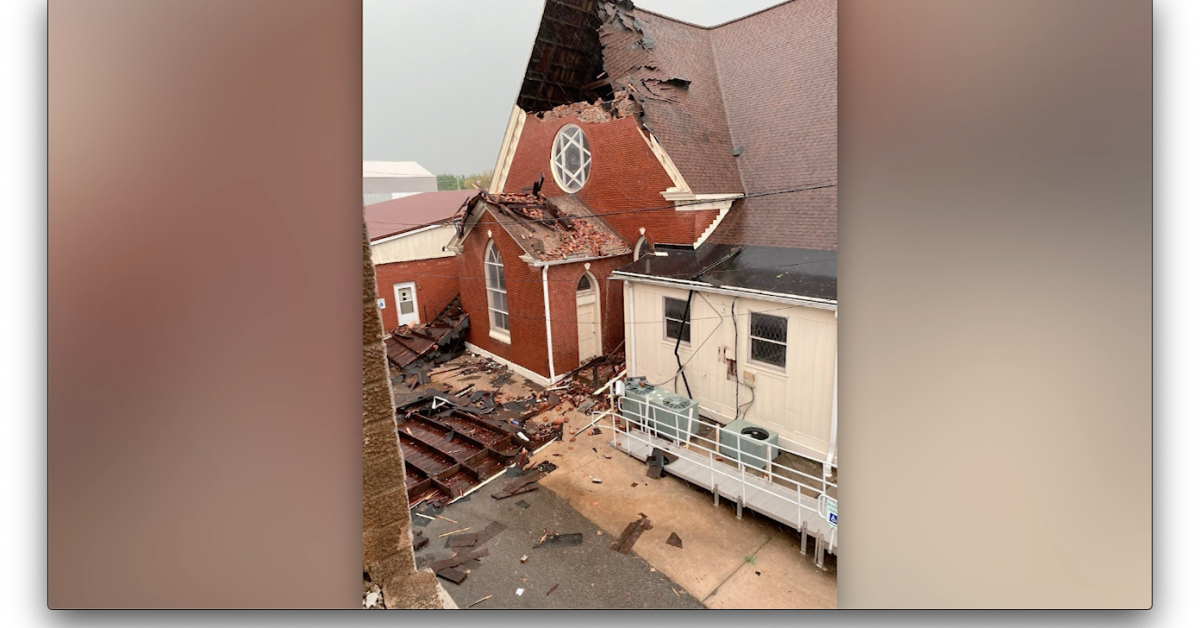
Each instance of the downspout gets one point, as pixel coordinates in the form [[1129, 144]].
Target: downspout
[[631, 347], [549, 337], [833, 417], [737, 375]]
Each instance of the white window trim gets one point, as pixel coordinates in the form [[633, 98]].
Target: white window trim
[[668, 338], [637, 248], [585, 162], [750, 338], [503, 335]]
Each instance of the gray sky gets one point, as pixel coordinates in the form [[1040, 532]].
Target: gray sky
[[440, 77]]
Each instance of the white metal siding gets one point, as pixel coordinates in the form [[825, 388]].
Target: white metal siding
[[419, 245], [796, 401]]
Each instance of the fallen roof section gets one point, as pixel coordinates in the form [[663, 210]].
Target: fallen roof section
[[407, 345]]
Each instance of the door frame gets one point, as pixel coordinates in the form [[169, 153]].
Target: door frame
[[599, 329], [396, 288]]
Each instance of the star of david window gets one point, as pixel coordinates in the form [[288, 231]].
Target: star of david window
[[571, 160]]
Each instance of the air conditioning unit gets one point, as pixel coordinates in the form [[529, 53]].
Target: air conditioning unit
[[749, 443], [676, 417], [635, 401]]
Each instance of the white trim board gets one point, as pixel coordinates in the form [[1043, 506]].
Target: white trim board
[[820, 304], [397, 236], [508, 149]]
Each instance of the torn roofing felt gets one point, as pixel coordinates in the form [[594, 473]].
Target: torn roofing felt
[[551, 228], [804, 273], [762, 87]]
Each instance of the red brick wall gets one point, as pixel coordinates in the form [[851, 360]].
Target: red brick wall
[[436, 280], [526, 312], [563, 281], [625, 175], [525, 305]]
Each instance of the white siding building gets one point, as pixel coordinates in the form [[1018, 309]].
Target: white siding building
[[389, 180]]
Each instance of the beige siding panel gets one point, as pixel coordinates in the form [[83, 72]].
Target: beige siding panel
[[796, 401], [419, 245]]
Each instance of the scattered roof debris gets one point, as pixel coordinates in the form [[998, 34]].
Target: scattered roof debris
[[443, 338], [560, 540], [445, 567], [632, 532], [523, 484], [657, 460], [675, 541], [558, 228], [475, 539]]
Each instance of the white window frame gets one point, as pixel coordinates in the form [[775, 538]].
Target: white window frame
[[688, 323], [638, 252], [503, 334], [570, 137], [396, 288], [787, 323]]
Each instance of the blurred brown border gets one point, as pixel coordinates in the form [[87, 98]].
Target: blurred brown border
[[204, 357], [204, 374]]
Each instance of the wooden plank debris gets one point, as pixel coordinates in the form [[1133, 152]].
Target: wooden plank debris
[[455, 561], [630, 535]]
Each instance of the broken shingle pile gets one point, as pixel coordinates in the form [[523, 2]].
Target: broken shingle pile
[[556, 228], [442, 337]]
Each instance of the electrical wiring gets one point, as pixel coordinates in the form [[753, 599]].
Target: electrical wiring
[[696, 350], [732, 197]]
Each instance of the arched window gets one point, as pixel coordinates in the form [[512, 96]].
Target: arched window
[[641, 248], [570, 159], [585, 284], [493, 268]]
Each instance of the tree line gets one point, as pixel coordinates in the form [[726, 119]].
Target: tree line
[[464, 182]]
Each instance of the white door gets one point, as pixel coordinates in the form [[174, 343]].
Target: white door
[[587, 314], [406, 303]]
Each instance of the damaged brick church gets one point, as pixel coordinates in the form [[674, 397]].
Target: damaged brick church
[[636, 136]]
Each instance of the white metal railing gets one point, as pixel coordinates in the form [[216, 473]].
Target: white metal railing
[[641, 416]]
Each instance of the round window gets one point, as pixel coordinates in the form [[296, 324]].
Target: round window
[[571, 160]]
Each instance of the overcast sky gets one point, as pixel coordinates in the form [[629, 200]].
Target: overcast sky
[[440, 77]]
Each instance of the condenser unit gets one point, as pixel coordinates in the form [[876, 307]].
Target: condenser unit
[[636, 399], [752, 444], [676, 417]]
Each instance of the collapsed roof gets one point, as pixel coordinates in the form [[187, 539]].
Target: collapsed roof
[[749, 106], [548, 229]]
